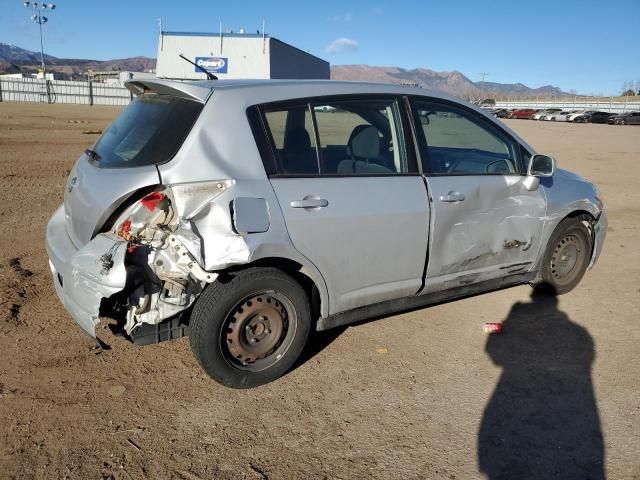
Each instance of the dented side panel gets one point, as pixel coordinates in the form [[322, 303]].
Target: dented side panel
[[496, 230], [567, 193]]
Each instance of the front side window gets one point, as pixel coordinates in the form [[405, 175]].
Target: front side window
[[456, 142], [349, 137]]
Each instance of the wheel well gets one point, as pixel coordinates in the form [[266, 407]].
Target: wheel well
[[585, 217], [290, 267]]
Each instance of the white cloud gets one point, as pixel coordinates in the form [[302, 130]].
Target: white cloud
[[342, 18], [340, 45]]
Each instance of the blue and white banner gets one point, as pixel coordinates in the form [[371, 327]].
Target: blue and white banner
[[212, 64]]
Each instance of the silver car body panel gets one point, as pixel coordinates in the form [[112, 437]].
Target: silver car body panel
[[366, 220], [339, 248], [92, 194]]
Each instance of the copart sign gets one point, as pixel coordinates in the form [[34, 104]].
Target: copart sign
[[212, 64]]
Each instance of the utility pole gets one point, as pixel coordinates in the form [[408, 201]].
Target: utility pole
[[482, 86]]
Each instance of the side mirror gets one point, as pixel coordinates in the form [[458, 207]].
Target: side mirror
[[541, 166]]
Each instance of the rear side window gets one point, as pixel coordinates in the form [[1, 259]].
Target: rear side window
[[360, 137], [294, 140], [150, 131], [354, 137]]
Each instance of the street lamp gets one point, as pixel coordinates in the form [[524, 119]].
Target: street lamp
[[40, 19]]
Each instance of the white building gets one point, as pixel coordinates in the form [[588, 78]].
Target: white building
[[239, 55]]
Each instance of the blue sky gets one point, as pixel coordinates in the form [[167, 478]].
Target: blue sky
[[591, 46]]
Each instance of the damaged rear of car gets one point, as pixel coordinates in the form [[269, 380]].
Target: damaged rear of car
[[122, 240]]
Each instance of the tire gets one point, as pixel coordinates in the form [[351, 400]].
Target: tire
[[251, 329], [622, 122], [566, 258]]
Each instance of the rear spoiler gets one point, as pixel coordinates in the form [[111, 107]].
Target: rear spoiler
[[191, 91]]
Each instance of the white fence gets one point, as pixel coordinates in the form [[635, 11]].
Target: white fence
[[63, 91], [598, 103]]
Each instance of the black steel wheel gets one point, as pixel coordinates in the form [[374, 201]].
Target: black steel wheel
[[566, 257], [250, 329]]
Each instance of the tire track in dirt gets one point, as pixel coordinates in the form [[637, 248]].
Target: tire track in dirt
[[16, 283]]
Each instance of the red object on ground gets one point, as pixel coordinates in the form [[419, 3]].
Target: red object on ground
[[150, 202], [492, 327]]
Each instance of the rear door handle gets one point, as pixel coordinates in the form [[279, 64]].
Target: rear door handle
[[452, 197], [310, 203]]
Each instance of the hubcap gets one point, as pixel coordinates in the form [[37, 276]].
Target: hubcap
[[257, 331], [567, 258]]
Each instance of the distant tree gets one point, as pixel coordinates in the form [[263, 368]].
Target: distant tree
[[629, 93]]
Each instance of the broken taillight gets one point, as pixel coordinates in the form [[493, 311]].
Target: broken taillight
[[151, 201], [124, 231]]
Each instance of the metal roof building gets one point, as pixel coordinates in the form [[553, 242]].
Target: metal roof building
[[234, 55]]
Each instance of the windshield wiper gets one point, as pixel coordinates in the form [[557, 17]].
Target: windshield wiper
[[210, 76], [92, 154]]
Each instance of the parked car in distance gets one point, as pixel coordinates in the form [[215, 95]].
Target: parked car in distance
[[577, 113], [523, 113], [500, 112], [629, 118], [245, 214], [557, 116], [599, 117], [542, 113]]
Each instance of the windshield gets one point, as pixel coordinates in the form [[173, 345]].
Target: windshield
[[150, 131]]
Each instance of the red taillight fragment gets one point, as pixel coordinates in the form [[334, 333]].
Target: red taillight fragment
[[150, 202], [124, 231]]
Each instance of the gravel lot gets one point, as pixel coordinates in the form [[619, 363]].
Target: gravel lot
[[425, 394]]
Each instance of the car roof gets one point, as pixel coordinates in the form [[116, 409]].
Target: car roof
[[281, 89]]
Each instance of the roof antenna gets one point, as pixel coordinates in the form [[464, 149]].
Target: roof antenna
[[210, 76]]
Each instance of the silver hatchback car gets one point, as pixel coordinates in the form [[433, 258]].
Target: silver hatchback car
[[246, 213]]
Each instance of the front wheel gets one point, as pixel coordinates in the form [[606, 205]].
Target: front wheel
[[567, 256], [251, 329]]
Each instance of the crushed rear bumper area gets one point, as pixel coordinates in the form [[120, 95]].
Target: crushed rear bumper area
[[79, 276]]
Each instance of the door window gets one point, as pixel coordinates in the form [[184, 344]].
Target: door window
[[360, 137], [355, 137], [456, 142]]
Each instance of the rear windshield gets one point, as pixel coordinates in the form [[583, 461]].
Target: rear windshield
[[150, 131]]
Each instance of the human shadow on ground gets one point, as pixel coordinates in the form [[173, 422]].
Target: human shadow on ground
[[542, 421]]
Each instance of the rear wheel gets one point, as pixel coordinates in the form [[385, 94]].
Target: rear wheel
[[567, 257], [250, 330], [622, 122]]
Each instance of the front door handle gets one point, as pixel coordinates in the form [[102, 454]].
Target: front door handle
[[310, 203], [452, 197]]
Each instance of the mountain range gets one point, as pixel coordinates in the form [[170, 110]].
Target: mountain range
[[14, 59], [452, 82]]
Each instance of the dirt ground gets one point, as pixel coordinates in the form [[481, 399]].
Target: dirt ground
[[424, 394]]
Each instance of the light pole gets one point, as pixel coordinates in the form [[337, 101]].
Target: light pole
[[482, 87], [40, 19]]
